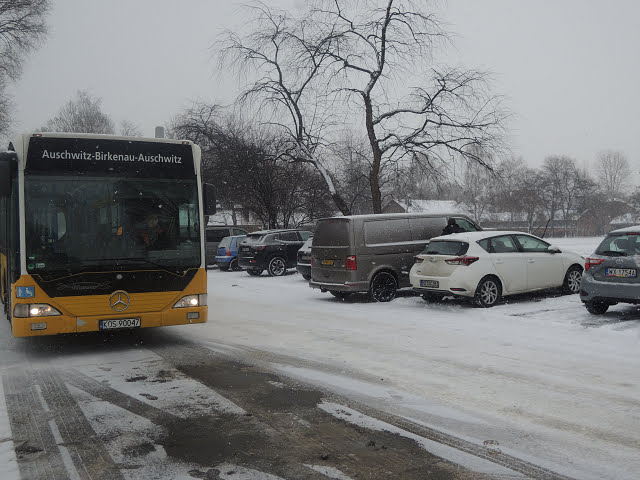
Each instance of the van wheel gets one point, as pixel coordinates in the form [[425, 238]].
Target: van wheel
[[572, 279], [488, 293], [340, 295], [383, 287], [277, 267], [596, 308], [254, 272], [234, 266]]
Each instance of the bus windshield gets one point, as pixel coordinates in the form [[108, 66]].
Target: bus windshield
[[81, 223]]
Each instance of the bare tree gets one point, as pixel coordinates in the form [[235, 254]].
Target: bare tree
[[82, 114], [373, 45], [340, 57], [614, 172], [130, 129], [22, 29], [280, 52], [477, 187], [243, 163]]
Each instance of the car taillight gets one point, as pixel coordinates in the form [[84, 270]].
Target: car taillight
[[591, 262], [228, 252], [351, 263], [259, 248], [418, 259], [462, 260]]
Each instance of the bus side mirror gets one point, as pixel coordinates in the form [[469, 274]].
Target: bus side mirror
[[7, 161], [209, 198]]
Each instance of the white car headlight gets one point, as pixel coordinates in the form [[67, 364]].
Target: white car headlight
[[26, 310], [192, 301]]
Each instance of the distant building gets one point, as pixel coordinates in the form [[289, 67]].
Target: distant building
[[606, 217], [237, 216]]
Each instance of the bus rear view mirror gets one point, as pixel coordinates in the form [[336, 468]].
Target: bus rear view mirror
[[209, 197], [7, 161]]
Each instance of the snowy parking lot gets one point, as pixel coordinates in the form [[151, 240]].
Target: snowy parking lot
[[538, 374], [533, 388]]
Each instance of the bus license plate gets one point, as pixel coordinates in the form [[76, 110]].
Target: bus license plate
[[621, 272], [430, 283], [119, 323]]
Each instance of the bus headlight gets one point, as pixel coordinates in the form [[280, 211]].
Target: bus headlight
[[192, 301], [34, 310]]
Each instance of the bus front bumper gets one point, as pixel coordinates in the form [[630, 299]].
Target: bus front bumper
[[59, 324]]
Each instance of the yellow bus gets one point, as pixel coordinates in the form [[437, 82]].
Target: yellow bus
[[100, 233]]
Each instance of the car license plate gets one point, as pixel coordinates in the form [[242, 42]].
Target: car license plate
[[327, 262], [119, 323], [430, 283], [621, 272]]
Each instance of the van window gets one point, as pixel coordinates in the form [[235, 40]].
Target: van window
[[387, 231], [466, 225], [426, 228], [304, 235], [332, 233], [217, 234]]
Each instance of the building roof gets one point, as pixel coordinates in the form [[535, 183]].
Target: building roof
[[630, 218]]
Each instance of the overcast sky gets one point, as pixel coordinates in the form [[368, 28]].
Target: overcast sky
[[570, 69]]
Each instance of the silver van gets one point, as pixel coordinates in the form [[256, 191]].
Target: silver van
[[374, 253]]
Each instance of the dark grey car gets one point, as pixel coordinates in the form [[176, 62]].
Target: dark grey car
[[373, 253], [611, 273]]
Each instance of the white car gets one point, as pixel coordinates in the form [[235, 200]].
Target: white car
[[491, 264]]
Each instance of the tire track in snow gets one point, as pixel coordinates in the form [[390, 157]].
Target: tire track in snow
[[384, 451], [53, 438]]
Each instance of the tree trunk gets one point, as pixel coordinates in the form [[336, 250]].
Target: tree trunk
[[374, 173]]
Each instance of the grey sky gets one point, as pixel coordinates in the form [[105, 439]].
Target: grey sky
[[568, 68]]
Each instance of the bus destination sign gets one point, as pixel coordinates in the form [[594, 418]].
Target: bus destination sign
[[90, 156]]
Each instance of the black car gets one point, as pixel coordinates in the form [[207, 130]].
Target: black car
[[271, 250], [304, 260]]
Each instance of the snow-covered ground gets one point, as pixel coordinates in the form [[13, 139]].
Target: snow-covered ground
[[537, 378], [539, 375]]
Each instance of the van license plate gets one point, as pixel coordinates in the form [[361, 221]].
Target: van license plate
[[119, 323], [430, 283], [327, 262], [621, 272]]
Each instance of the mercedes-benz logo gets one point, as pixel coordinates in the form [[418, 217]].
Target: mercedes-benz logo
[[119, 300]]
